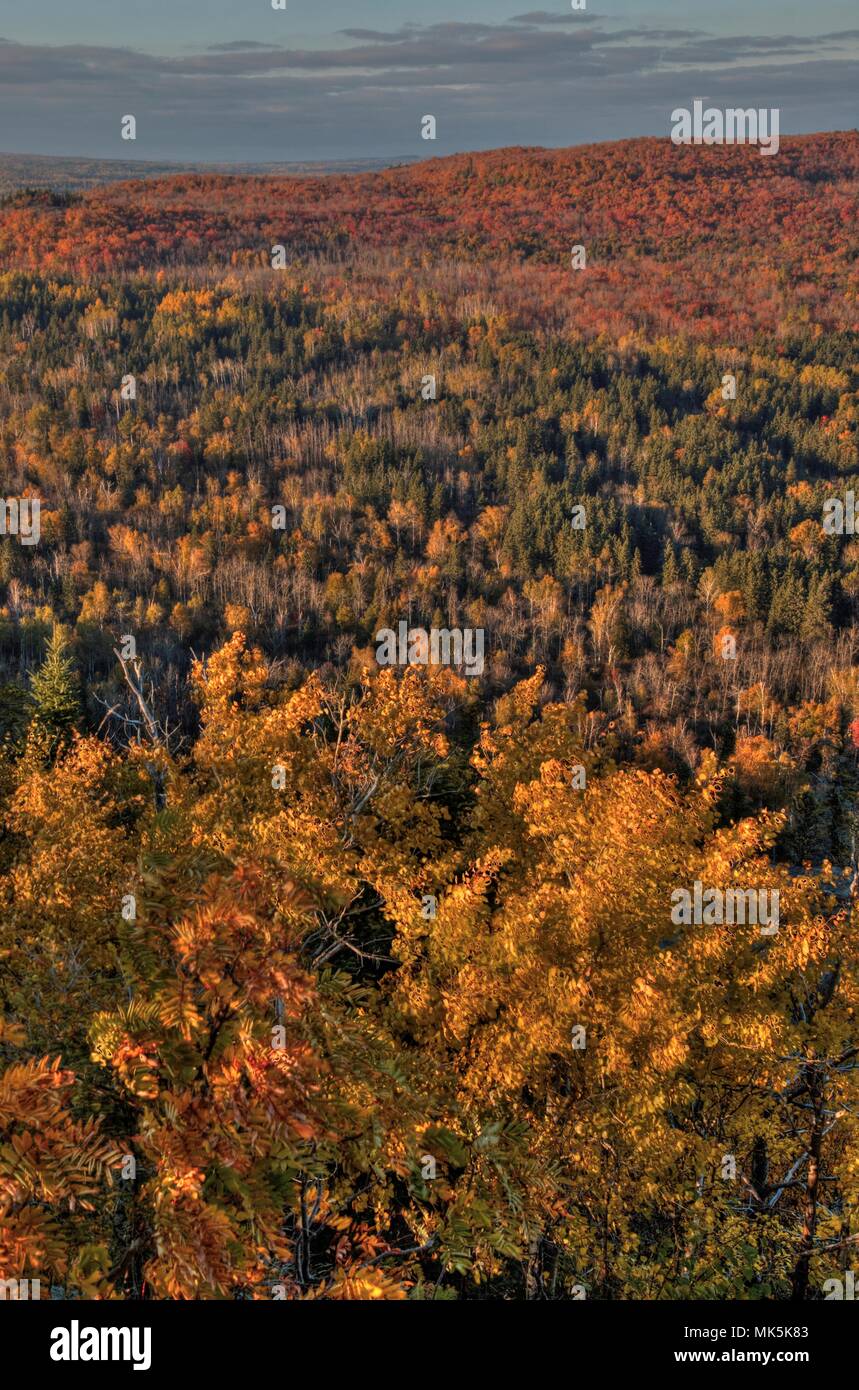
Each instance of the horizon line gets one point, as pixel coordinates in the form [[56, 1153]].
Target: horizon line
[[180, 164]]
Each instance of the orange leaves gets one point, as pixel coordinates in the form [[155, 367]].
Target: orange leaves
[[49, 1162], [221, 1097], [229, 677], [196, 1248], [807, 537], [730, 606], [490, 527], [400, 712], [233, 951], [444, 537], [366, 1285], [33, 1091], [629, 195], [761, 771], [137, 1068]]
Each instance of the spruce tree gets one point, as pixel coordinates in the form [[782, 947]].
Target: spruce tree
[[670, 569], [54, 693], [818, 611]]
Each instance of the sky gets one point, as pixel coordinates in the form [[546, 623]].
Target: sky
[[236, 80]]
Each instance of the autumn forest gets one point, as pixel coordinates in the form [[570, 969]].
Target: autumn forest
[[331, 977]]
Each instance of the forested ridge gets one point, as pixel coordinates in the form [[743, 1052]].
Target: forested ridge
[[321, 980]]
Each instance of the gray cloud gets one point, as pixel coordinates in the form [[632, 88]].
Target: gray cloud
[[529, 80], [238, 45], [545, 17]]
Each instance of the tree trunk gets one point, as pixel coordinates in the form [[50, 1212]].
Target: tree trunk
[[815, 1089]]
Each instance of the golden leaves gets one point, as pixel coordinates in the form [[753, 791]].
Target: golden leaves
[[287, 1036]]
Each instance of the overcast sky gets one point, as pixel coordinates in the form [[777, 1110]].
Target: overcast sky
[[217, 80]]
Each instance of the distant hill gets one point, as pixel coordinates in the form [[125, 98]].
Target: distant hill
[[66, 174], [678, 238]]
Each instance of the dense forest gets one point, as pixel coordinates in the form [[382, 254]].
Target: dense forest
[[325, 980]]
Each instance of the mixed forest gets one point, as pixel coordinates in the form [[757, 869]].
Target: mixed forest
[[325, 981]]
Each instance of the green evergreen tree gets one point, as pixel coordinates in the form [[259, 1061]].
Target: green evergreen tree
[[788, 605], [689, 568], [54, 693], [818, 611], [670, 571]]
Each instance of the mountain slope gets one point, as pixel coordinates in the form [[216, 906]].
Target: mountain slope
[[710, 237]]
